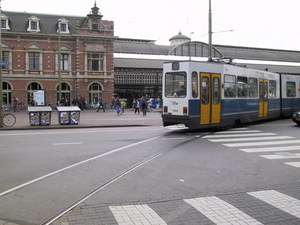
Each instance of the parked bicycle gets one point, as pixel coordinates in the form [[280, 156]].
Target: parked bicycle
[[9, 119]]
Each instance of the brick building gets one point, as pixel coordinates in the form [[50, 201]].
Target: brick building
[[32, 43]]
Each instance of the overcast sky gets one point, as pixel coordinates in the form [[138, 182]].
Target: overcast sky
[[251, 23]]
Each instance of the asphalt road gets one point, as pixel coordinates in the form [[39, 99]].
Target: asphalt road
[[43, 172]]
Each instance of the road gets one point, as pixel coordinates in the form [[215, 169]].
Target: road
[[96, 176]]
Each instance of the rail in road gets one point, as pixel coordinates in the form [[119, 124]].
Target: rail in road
[[280, 202]]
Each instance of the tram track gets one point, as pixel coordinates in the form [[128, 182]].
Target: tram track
[[71, 206]]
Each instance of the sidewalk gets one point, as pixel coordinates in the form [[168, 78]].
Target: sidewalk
[[91, 119]]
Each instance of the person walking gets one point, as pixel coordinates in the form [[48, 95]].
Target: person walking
[[118, 106], [101, 105], [136, 106]]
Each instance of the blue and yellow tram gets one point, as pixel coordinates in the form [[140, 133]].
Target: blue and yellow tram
[[209, 94]]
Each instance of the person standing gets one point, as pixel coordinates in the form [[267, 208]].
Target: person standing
[[123, 106], [16, 104], [144, 106]]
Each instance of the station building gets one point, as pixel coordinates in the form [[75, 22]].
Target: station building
[[94, 63]]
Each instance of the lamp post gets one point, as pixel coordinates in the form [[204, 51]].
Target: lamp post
[[1, 85], [59, 69], [209, 33]]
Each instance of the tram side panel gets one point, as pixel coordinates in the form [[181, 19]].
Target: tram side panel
[[290, 94]]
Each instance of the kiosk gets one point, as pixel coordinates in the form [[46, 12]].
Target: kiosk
[[68, 115], [39, 115]]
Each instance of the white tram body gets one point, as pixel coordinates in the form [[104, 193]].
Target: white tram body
[[205, 94]]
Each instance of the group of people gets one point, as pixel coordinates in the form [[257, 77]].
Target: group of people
[[145, 104]]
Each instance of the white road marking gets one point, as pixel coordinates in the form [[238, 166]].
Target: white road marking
[[239, 135], [294, 164], [272, 149], [220, 212], [281, 201], [136, 214], [71, 143], [262, 143], [285, 155], [249, 139], [238, 131]]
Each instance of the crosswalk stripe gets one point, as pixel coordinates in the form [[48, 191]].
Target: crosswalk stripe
[[238, 131], [136, 214], [261, 143], [220, 212], [281, 201], [284, 155], [239, 135], [273, 149], [249, 139], [295, 164]]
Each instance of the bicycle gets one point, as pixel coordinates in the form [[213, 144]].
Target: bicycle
[[9, 119]]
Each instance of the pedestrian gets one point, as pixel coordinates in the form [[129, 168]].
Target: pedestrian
[[144, 106], [112, 103], [62, 102], [118, 105], [158, 102], [101, 105], [123, 106], [16, 104], [31, 102], [136, 106]]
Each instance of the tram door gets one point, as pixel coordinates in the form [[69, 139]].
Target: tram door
[[263, 98], [210, 108]]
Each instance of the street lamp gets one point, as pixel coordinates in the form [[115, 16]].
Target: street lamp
[[59, 69], [209, 33]]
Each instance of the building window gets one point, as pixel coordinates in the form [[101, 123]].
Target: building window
[[95, 93], [4, 22], [6, 88], [63, 26], [95, 62], [33, 24], [64, 63], [5, 58], [65, 92], [95, 25], [34, 60]]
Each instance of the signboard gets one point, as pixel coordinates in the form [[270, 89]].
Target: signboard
[[39, 97], [4, 63]]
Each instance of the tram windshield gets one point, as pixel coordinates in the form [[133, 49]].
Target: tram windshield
[[175, 85]]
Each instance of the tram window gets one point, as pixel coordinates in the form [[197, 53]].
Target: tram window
[[290, 89], [175, 84], [205, 90], [230, 86], [242, 87], [194, 84], [272, 88], [253, 88], [216, 90]]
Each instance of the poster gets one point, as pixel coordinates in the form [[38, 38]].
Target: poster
[[39, 97]]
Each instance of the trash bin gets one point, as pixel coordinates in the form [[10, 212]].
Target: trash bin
[[39, 115], [68, 115]]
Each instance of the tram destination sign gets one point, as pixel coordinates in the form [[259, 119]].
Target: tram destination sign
[[4, 63]]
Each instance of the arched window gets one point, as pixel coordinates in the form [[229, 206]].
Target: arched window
[[6, 90], [30, 88], [65, 92], [95, 92]]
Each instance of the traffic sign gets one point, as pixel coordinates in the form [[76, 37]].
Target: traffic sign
[[4, 63]]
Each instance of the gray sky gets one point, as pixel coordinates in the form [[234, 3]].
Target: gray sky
[[255, 23]]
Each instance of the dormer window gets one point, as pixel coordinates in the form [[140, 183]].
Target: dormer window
[[95, 25], [33, 24], [4, 22], [63, 26]]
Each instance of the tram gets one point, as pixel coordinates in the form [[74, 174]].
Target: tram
[[210, 94]]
